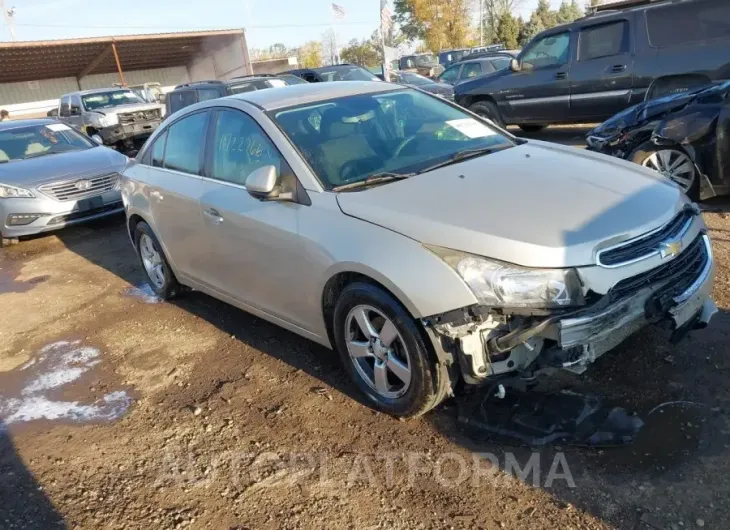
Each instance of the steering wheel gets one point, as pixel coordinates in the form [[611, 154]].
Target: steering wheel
[[349, 170], [402, 145]]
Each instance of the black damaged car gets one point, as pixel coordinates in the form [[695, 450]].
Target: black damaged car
[[686, 137]]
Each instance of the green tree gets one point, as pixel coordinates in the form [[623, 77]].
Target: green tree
[[532, 28], [438, 23], [508, 31], [363, 53], [568, 12], [310, 54], [278, 50], [547, 16], [492, 13]]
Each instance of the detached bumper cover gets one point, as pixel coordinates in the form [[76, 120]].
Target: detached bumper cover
[[600, 331]]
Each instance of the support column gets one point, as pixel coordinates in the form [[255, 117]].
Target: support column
[[119, 65]]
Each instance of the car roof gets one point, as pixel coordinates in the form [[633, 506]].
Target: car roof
[[292, 95], [13, 124], [96, 91]]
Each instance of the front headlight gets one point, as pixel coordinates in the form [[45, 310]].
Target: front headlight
[[11, 192], [500, 284], [102, 120]]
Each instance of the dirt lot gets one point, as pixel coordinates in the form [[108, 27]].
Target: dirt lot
[[194, 414]]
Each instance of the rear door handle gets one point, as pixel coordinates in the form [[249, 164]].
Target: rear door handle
[[618, 68], [561, 75], [214, 216]]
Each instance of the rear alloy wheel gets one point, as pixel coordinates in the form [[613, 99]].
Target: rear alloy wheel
[[159, 274], [385, 352], [671, 162]]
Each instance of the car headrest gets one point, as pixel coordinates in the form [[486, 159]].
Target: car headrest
[[338, 122]]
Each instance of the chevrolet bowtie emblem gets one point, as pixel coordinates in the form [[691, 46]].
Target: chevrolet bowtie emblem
[[669, 249]]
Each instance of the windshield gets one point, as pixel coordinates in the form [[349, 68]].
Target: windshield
[[414, 79], [22, 143], [113, 98], [425, 60], [350, 73], [452, 56], [349, 139]]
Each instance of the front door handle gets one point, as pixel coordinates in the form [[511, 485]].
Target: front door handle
[[561, 75], [214, 216], [618, 68]]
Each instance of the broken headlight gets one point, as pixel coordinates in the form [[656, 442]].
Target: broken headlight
[[500, 284]]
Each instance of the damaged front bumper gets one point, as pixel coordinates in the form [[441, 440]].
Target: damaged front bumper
[[503, 345], [130, 131]]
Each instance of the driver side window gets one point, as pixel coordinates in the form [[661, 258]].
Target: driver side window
[[551, 50], [451, 73]]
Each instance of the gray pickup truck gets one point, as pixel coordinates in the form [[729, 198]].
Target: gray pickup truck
[[118, 115]]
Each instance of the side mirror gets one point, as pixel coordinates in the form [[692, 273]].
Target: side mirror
[[262, 183], [514, 65], [98, 139]]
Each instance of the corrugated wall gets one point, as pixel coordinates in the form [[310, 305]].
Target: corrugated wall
[[165, 76], [26, 92]]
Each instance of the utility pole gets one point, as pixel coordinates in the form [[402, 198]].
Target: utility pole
[[8, 14]]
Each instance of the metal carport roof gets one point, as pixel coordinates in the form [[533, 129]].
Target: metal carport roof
[[35, 60]]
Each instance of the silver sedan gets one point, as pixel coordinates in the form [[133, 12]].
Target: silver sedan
[[52, 176], [421, 242]]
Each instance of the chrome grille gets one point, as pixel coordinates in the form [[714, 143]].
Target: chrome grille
[[74, 190], [139, 116], [646, 245], [683, 270]]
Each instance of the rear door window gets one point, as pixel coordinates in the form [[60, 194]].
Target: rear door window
[[158, 150], [688, 22], [204, 94], [185, 140], [603, 41], [181, 99], [471, 70]]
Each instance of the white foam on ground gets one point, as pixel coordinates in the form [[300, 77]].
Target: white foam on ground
[[58, 365]]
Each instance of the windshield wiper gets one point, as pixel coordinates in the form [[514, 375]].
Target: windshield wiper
[[372, 180], [40, 153], [460, 156]]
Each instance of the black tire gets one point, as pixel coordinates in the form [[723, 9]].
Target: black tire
[[170, 287], [488, 109], [430, 382], [532, 128], [645, 150]]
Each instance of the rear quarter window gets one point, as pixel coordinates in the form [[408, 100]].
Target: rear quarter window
[[688, 22]]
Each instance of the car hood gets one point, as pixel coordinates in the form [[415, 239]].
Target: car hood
[[467, 86], [657, 108], [536, 205], [131, 107], [77, 164], [438, 88]]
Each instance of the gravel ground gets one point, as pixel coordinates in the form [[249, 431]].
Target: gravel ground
[[194, 414]]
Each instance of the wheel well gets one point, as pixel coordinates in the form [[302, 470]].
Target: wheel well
[[134, 220], [672, 84], [334, 287], [468, 101]]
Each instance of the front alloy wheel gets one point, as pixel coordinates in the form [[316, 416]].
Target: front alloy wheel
[[386, 352], [158, 271], [674, 165], [152, 261], [378, 351]]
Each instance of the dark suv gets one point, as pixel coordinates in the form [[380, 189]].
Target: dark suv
[[190, 93], [592, 68]]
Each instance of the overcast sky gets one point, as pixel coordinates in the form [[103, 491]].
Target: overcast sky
[[267, 21]]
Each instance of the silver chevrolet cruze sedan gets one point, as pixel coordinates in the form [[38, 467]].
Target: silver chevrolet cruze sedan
[[52, 176], [421, 242]]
